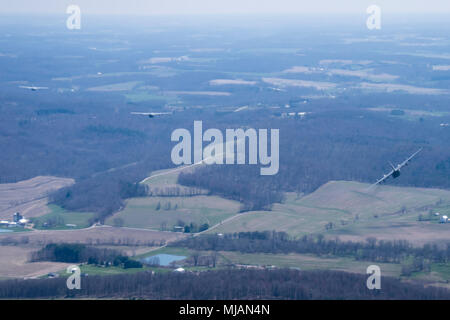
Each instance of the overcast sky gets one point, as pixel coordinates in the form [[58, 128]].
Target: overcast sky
[[149, 7]]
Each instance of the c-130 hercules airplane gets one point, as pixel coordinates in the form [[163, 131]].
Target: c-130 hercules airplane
[[395, 172], [151, 114]]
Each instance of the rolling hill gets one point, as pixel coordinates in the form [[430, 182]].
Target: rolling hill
[[354, 211]]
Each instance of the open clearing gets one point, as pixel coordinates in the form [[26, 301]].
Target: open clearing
[[29, 197], [318, 85], [15, 263], [78, 220], [219, 82], [355, 211], [390, 87], [144, 212], [309, 262], [362, 73]]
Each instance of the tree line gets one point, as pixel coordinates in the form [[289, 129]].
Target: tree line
[[80, 253], [281, 243], [223, 284]]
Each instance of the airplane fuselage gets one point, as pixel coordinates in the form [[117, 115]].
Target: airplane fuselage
[[396, 174]]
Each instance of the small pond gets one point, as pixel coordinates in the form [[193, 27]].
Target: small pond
[[162, 259]]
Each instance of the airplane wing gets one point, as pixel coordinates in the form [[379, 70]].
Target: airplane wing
[[142, 113], [241, 108], [33, 88], [151, 113], [384, 178], [404, 163], [401, 165]]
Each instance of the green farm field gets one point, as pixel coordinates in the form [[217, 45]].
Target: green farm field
[[353, 210], [308, 262], [78, 219], [156, 212]]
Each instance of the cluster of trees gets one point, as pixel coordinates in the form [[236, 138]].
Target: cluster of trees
[[166, 206], [280, 242], [72, 252], [131, 190], [175, 192], [189, 227], [233, 182], [417, 265], [50, 222], [194, 228], [80, 253], [206, 260], [223, 284], [102, 195], [120, 261]]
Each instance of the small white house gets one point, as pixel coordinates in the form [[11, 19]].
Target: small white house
[[179, 270], [444, 219], [178, 228]]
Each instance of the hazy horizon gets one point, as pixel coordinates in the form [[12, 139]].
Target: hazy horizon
[[201, 7]]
